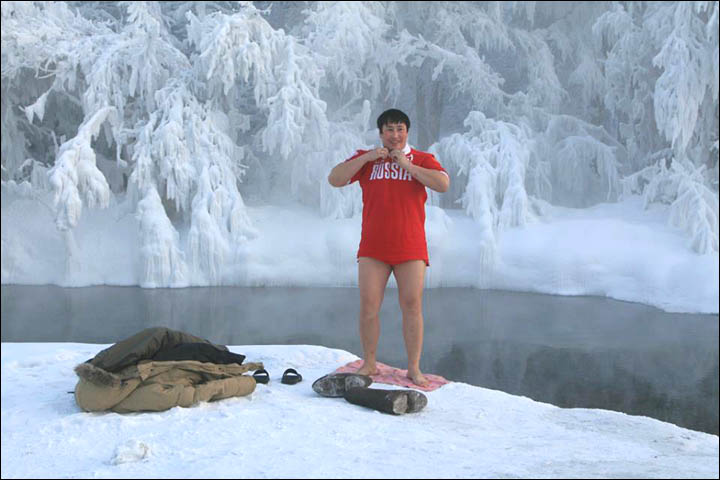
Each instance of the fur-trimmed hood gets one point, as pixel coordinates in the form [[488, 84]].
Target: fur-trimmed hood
[[97, 376]]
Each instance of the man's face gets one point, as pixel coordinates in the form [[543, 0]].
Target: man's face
[[394, 136]]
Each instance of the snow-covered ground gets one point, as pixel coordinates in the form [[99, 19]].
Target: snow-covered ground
[[616, 250], [283, 431]]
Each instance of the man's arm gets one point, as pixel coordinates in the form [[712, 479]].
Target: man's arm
[[342, 173], [434, 179]]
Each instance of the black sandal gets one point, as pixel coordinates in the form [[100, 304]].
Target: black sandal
[[261, 376], [291, 377]]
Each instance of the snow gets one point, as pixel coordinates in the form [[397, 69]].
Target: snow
[[616, 250], [283, 431], [175, 145]]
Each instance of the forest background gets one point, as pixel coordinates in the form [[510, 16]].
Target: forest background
[[185, 115]]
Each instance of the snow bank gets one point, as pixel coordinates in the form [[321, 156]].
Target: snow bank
[[282, 431], [616, 250]]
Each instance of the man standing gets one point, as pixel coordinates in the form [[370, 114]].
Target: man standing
[[393, 180]]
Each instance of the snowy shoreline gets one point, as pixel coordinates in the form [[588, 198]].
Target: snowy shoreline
[[289, 431], [615, 250]]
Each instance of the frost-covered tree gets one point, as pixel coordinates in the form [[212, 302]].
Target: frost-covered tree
[[182, 111], [171, 145], [662, 75], [493, 156]]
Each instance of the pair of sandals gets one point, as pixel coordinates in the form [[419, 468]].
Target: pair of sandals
[[353, 387], [290, 376]]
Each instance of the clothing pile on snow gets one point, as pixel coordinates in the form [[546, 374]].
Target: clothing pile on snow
[[159, 368]]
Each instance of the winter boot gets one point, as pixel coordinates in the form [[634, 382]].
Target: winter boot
[[396, 402]]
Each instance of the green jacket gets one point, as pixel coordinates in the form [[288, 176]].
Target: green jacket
[[124, 378]]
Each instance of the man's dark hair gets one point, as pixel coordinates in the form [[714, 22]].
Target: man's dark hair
[[393, 116]]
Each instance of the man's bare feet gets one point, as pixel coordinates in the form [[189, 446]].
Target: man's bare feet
[[417, 378], [367, 369]]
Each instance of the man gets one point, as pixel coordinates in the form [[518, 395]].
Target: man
[[393, 180]]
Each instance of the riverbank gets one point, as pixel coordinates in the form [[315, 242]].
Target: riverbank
[[289, 431]]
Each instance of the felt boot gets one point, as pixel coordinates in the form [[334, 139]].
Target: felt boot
[[396, 402]]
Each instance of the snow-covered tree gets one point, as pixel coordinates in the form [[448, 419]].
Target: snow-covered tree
[[181, 111], [662, 75]]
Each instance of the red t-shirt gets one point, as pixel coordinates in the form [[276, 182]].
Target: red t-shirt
[[393, 222]]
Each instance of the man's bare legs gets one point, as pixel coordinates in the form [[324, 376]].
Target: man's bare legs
[[372, 279], [410, 277]]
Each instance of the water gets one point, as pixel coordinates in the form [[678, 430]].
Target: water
[[569, 351]]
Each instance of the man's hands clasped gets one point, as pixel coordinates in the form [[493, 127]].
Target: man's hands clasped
[[379, 153], [396, 156], [399, 157]]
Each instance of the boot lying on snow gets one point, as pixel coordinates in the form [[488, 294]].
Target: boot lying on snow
[[335, 384], [395, 402]]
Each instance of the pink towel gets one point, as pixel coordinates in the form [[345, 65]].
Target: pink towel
[[395, 376]]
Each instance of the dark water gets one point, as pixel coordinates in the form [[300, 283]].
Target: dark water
[[569, 351]]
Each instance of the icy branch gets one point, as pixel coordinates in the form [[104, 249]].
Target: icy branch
[[76, 172]]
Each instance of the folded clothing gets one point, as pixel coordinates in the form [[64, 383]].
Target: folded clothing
[[160, 368], [202, 352], [144, 345]]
